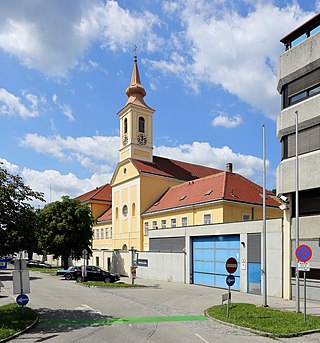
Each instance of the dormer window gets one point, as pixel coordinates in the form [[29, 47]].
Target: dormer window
[[141, 124]]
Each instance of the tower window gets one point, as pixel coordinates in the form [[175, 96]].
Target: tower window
[[141, 124], [125, 129]]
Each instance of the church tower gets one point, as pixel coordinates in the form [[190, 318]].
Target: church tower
[[136, 122]]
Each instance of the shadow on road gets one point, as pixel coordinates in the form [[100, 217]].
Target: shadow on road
[[8, 277], [62, 320]]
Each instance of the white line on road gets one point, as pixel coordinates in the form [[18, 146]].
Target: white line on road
[[202, 339], [10, 295]]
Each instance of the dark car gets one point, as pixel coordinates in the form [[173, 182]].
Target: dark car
[[97, 274], [38, 264], [69, 273]]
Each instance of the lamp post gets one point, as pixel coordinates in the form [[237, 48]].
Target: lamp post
[[264, 233], [297, 215]]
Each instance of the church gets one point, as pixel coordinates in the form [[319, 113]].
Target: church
[[157, 204]]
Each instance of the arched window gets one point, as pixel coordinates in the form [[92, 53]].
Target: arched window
[[125, 247], [117, 213], [141, 124], [125, 129], [133, 211], [125, 210]]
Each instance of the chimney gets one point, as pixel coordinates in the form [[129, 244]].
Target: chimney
[[229, 167]]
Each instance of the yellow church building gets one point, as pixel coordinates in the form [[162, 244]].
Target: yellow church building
[[151, 195]]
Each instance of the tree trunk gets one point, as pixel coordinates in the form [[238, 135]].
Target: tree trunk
[[65, 262]]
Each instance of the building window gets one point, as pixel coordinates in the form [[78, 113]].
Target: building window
[[111, 232], [141, 124], [125, 129], [173, 222], [102, 233], [245, 217], [163, 224], [107, 233], [154, 224], [308, 140], [97, 233], [207, 219], [146, 228], [125, 210], [184, 221], [117, 213], [309, 202], [133, 212]]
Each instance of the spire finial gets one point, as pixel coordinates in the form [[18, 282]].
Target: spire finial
[[135, 54]]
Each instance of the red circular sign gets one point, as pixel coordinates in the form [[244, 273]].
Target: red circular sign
[[303, 253], [231, 265]]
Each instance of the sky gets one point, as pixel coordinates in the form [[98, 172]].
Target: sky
[[208, 67]]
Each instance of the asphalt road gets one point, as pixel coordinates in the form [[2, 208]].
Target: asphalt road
[[162, 312]]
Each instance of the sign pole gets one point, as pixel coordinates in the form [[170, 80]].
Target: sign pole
[[264, 231], [305, 296], [228, 303]]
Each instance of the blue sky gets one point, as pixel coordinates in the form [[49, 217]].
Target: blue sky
[[209, 69]]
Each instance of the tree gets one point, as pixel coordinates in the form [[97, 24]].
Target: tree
[[65, 229], [16, 212]]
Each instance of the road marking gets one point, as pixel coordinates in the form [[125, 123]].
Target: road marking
[[87, 308], [202, 339], [112, 321], [10, 295]]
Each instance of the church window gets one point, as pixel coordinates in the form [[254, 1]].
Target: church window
[[141, 124], [117, 213], [125, 210], [133, 210], [125, 129]]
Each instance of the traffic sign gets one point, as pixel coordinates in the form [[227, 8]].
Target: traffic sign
[[22, 299], [303, 253], [303, 266], [231, 265], [230, 280]]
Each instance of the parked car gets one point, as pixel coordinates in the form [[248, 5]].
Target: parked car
[[69, 273], [97, 274], [38, 264]]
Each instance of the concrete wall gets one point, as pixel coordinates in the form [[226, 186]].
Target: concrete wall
[[162, 266], [286, 176]]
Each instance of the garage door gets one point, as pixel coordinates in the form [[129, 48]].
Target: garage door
[[209, 255]]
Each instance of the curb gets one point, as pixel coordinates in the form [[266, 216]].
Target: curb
[[261, 333], [7, 339]]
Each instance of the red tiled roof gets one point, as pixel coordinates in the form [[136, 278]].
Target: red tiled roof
[[221, 186], [105, 216], [174, 169], [103, 193]]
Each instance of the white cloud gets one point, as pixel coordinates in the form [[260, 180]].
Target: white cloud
[[51, 36], [203, 154], [97, 153], [225, 121], [235, 50], [67, 111], [53, 184], [12, 105]]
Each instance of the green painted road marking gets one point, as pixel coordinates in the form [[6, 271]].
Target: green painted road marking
[[110, 321]]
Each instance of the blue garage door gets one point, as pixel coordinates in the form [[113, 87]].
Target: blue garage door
[[209, 256]]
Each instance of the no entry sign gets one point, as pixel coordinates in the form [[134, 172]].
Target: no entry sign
[[231, 265], [303, 253]]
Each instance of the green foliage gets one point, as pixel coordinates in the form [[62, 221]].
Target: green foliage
[[17, 217], [65, 228], [265, 319], [11, 320]]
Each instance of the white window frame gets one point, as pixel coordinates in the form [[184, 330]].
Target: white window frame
[[163, 223], [207, 218], [97, 233], [186, 221], [173, 222], [102, 233], [154, 225], [107, 232], [146, 228]]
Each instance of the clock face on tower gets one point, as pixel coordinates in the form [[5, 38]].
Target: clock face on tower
[[142, 139], [125, 139]]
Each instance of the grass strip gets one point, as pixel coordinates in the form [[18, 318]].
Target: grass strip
[[11, 320], [52, 271], [265, 319], [115, 285]]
